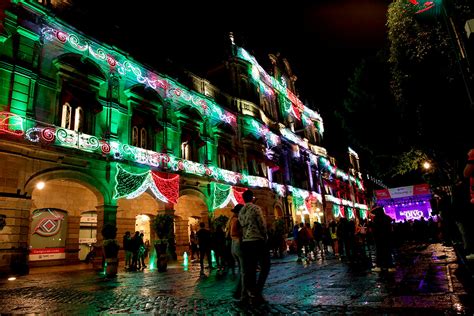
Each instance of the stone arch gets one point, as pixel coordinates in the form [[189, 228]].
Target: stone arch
[[188, 113], [102, 193], [129, 209], [224, 128], [142, 91], [278, 210], [82, 64], [71, 191], [192, 208]]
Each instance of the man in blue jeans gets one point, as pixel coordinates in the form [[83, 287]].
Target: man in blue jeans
[[254, 250]]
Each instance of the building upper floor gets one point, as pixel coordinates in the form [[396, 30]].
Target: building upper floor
[[93, 96]]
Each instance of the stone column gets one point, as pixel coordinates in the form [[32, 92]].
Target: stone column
[[14, 236], [106, 214], [72, 239]]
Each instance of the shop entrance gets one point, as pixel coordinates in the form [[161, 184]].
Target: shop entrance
[[143, 225], [87, 234]]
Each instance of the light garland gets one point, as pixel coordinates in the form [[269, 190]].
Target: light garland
[[222, 194], [131, 185], [11, 124], [285, 132], [166, 87], [261, 77]]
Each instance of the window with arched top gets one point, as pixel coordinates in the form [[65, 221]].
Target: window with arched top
[[66, 116], [143, 138], [72, 117], [185, 150], [135, 136]]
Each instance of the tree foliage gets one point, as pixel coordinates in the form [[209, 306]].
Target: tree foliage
[[425, 115]]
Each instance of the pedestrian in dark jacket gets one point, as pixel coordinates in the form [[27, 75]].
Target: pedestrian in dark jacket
[[382, 230]]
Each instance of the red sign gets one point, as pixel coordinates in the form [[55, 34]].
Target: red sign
[[394, 193], [47, 254]]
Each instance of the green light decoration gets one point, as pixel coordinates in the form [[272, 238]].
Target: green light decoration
[[350, 213], [260, 130], [339, 173], [300, 197], [130, 185], [153, 259], [213, 258], [185, 261], [288, 134], [279, 189], [222, 194], [254, 181], [363, 214], [11, 124], [290, 103], [112, 61], [338, 210]]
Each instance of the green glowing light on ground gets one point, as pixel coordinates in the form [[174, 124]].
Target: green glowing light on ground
[[213, 257], [153, 260]]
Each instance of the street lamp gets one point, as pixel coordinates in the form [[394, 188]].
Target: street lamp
[[426, 165]]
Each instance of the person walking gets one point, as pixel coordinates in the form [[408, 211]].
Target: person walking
[[234, 230], [127, 246], [382, 226], [254, 250], [142, 252], [204, 242]]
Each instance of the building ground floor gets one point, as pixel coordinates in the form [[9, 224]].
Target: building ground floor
[[55, 203]]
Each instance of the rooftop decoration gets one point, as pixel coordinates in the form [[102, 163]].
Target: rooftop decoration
[[291, 104]]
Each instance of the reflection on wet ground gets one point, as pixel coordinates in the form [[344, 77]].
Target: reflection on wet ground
[[428, 279]]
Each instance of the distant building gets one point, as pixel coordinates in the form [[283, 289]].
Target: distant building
[[91, 136]]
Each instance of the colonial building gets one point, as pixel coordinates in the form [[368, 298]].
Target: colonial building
[[89, 135]]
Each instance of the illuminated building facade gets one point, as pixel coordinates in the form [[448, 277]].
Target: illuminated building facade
[[88, 136]]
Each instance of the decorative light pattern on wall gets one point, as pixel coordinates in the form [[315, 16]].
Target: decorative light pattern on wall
[[261, 131], [421, 6], [280, 189], [254, 181], [338, 210], [288, 134], [223, 194], [130, 185], [166, 87], [11, 124], [339, 173], [295, 106]]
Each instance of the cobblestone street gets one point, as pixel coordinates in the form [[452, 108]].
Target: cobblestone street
[[427, 281]]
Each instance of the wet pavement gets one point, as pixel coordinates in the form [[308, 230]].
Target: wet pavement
[[428, 280]]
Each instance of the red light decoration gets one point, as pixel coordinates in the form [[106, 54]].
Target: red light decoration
[[238, 192], [167, 184]]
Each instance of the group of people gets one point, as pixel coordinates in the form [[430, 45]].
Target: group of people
[[136, 251], [247, 232]]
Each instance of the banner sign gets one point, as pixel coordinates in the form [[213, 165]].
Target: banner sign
[[47, 254], [400, 192]]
